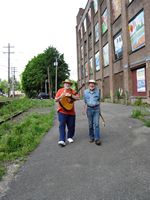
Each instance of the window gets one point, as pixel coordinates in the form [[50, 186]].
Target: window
[[130, 1], [116, 8], [91, 66], [97, 61], [86, 69], [118, 45], [137, 31], [82, 71], [106, 54], [81, 51], [84, 24], [89, 15], [95, 5], [85, 47], [90, 40], [81, 32], [104, 21], [96, 28]]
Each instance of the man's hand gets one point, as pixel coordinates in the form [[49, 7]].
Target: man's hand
[[68, 95], [84, 110], [63, 94]]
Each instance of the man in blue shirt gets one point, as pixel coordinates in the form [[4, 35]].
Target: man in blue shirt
[[92, 106]]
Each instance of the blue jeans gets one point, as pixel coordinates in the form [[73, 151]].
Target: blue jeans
[[69, 121], [93, 120]]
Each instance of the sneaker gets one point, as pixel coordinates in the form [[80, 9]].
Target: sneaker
[[62, 143], [91, 140], [70, 140], [98, 142]]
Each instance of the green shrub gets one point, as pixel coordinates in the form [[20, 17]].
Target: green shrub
[[136, 114], [138, 101], [119, 93], [147, 123]]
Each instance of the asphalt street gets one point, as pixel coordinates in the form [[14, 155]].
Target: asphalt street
[[117, 170]]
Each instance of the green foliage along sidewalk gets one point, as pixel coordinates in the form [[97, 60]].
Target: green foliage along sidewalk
[[141, 112], [18, 139]]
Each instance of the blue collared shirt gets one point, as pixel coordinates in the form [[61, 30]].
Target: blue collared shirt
[[92, 98]]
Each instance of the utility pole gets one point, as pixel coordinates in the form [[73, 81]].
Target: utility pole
[[9, 52], [13, 71], [49, 86], [56, 65]]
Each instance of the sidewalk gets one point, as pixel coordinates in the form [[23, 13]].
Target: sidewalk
[[117, 170]]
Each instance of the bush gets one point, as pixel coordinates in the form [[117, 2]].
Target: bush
[[119, 93], [147, 123], [138, 102], [137, 114]]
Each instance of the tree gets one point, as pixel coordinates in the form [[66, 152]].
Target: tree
[[4, 86], [17, 85], [35, 74]]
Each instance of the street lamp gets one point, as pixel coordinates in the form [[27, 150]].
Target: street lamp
[[56, 65]]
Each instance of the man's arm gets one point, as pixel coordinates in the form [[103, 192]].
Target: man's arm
[[75, 97], [59, 96]]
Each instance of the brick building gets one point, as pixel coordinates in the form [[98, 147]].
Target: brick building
[[113, 47]]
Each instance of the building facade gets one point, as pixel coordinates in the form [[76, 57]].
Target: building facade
[[113, 47]]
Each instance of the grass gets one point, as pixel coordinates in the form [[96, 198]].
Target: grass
[[142, 113], [19, 139], [20, 105], [14, 107], [2, 171]]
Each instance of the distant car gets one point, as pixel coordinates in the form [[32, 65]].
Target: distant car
[[3, 94], [43, 95]]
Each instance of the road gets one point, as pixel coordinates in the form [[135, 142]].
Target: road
[[117, 170]]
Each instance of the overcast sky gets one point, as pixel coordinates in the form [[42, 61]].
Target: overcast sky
[[33, 25]]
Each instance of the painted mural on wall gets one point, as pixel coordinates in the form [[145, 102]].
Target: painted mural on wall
[[140, 76], [137, 31]]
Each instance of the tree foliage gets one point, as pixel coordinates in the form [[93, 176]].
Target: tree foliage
[[3, 86], [36, 72]]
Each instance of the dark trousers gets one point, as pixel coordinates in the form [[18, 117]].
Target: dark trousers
[[66, 121]]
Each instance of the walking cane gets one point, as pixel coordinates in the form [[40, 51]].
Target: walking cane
[[103, 121]]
